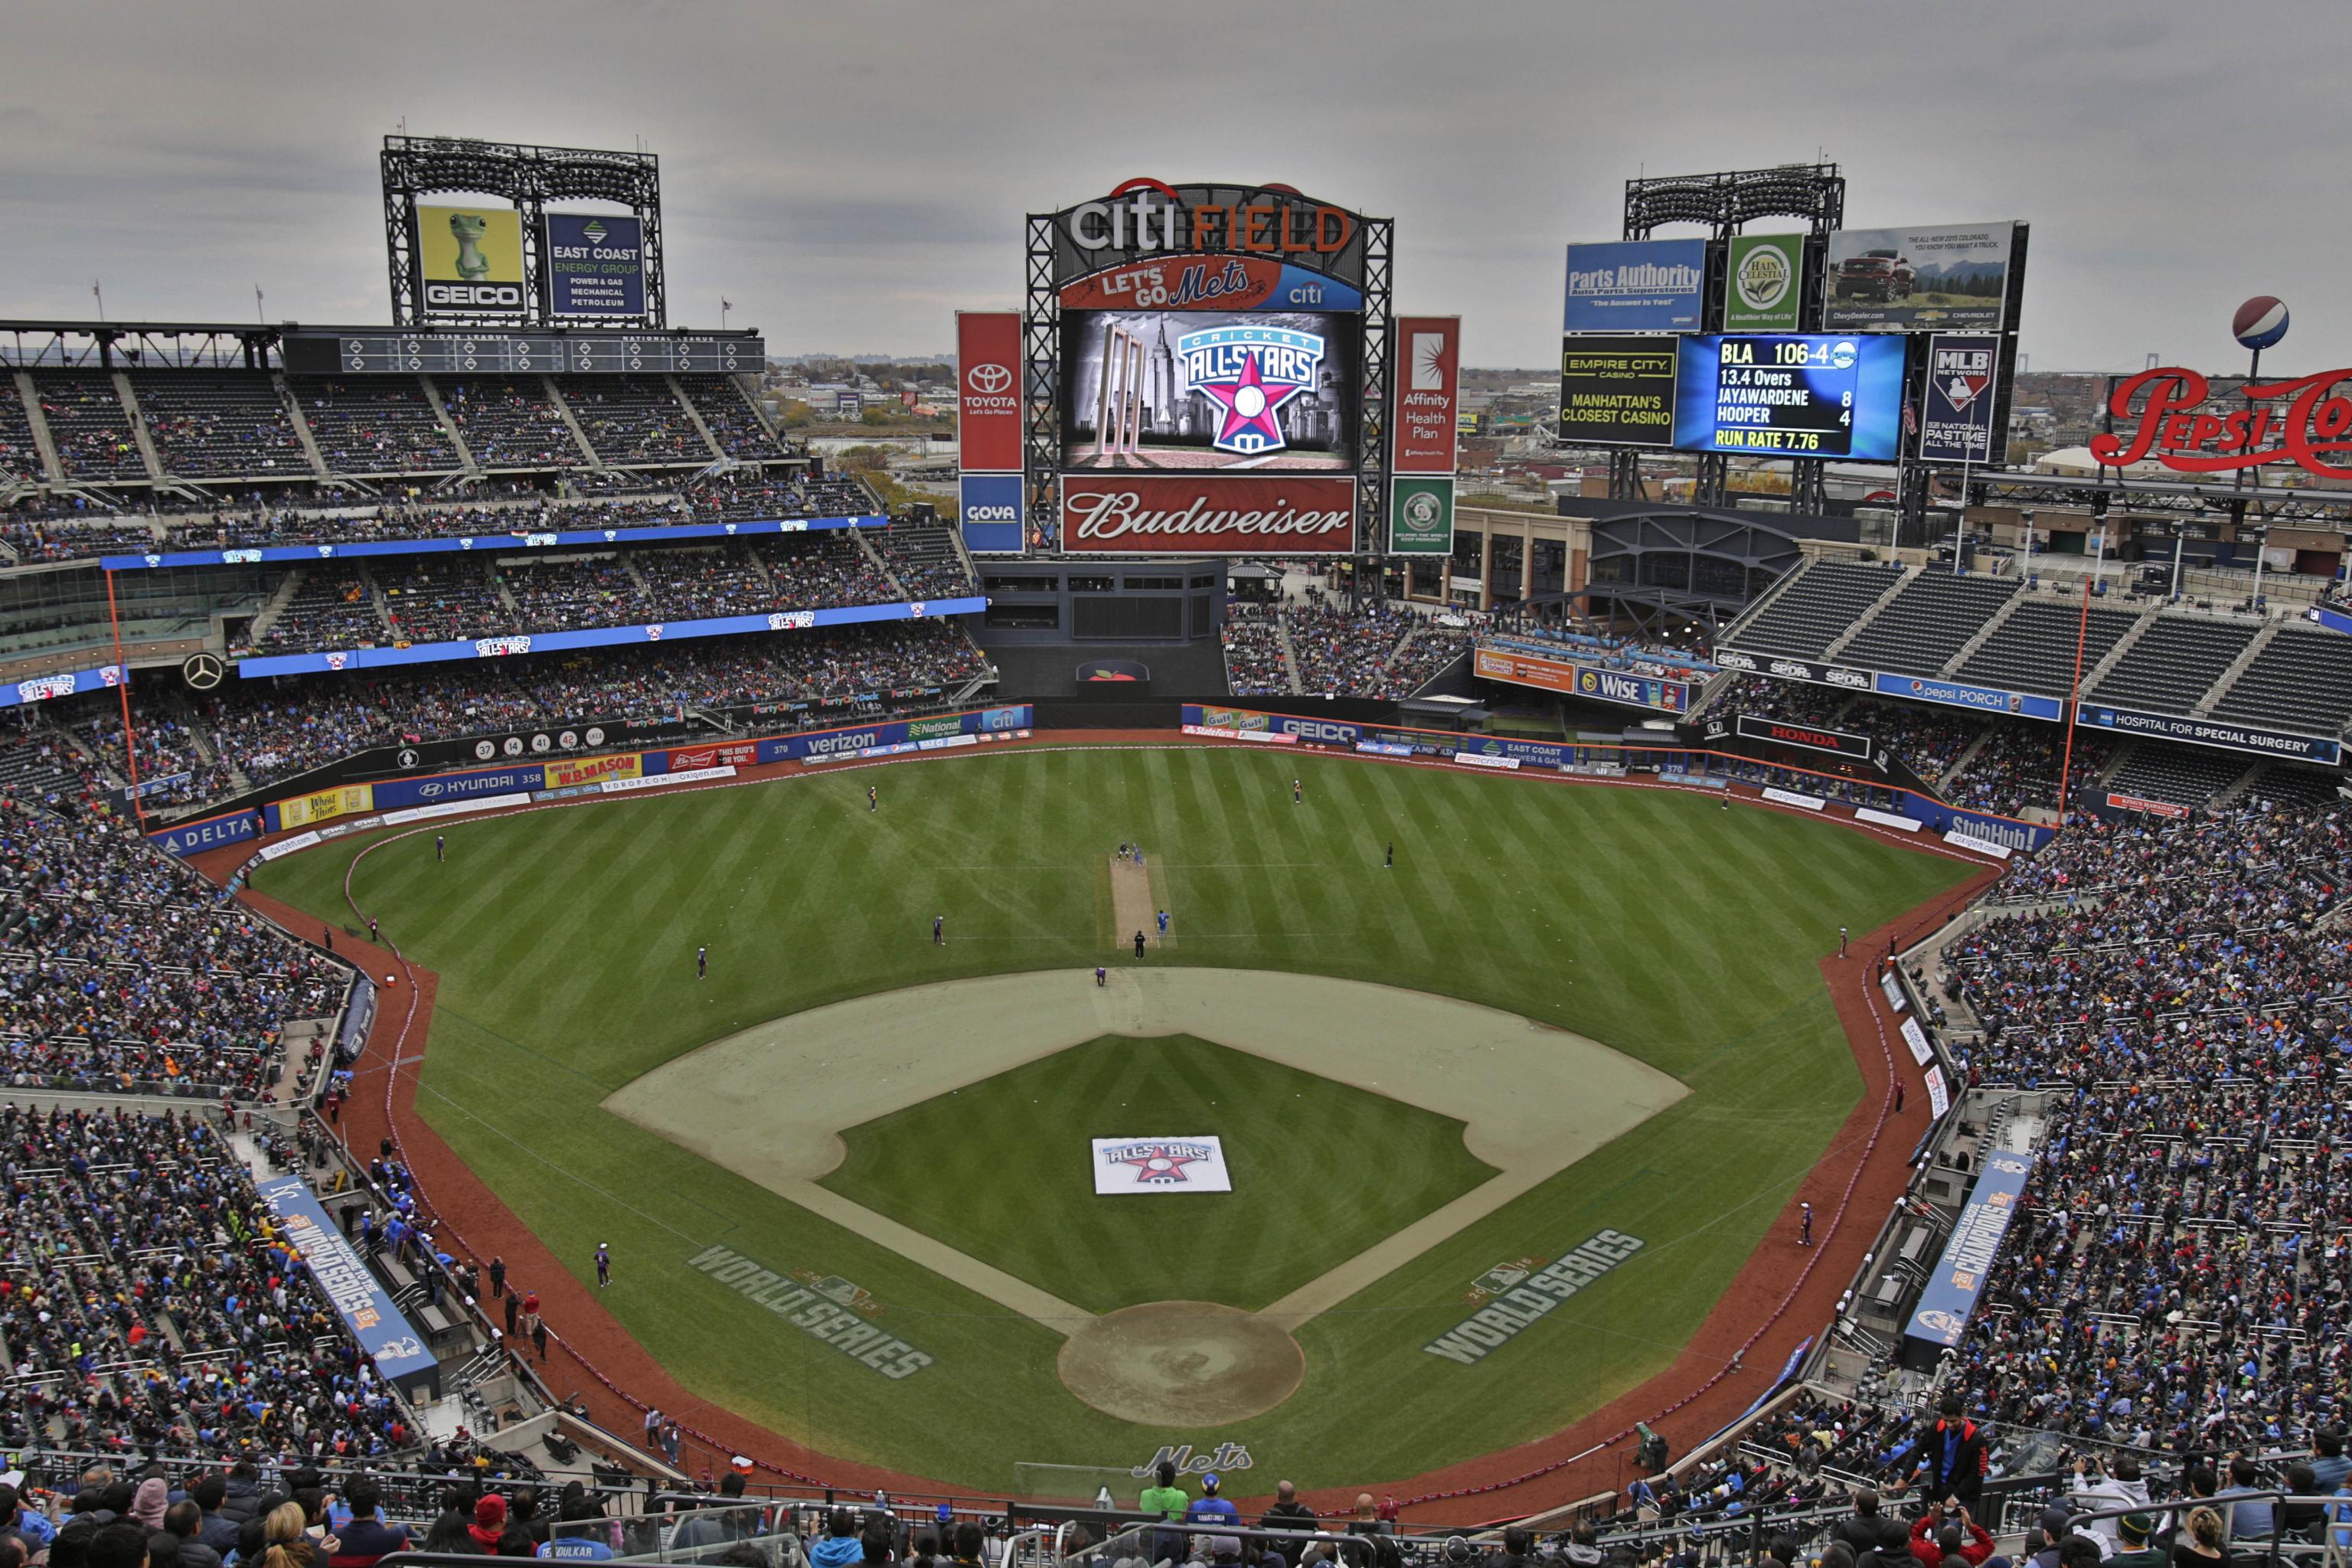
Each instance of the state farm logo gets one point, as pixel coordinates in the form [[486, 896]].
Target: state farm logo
[[987, 379]]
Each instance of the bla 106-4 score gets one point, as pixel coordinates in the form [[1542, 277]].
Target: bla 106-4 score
[[1809, 395]]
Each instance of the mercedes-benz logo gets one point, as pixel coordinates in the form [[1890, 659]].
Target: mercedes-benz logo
[[202, 671], [987, 379]]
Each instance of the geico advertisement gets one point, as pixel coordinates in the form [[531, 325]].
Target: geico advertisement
[[470, 258]]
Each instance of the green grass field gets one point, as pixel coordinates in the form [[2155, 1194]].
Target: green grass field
[[1003, 1172], [1681, 934]]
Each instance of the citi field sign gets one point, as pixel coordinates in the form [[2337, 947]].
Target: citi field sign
[[1144, 218], [2169, 416]]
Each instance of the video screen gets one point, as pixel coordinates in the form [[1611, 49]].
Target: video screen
[[1210, 390], [1793, 395]]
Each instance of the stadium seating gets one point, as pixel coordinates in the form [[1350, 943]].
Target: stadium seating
[[1814, 611], [437, 598], [729, 418], [375, 426], [2180, 775], [695, 581], [2033, 649], [2174, 663], [1927, 622], [330, 607], [633, 419], [572, 593], [89, 425], [510, 422], [925, 560], [20, 458], [2301, 680], [1255, 665], [211, 425]]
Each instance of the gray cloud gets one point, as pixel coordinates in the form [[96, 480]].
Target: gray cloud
[[850, 174]]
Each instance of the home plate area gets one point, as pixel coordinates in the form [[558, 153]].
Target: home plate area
[[1217, 1098]]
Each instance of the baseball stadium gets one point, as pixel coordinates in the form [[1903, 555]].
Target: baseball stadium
[[1207, 981]]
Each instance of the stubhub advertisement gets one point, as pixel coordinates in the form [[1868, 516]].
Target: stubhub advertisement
[[991, 507]]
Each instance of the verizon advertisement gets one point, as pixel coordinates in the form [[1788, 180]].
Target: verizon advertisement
[[1155, 514], [1429, 348], [988, 375]]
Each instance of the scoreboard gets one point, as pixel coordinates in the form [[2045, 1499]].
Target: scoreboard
[[380, 352], [1791, 395]]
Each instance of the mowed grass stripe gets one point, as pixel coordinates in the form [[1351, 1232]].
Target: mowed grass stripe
[[1690, 936]]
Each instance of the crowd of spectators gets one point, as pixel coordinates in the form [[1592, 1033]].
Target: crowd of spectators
[[375, 426], [925, 561], [571, 592], [1255, 665], [510, 423], [729, 416], [629, 420], [1346, 652], [88, 427], [121, 968], [332, 607], [208, 426], [155, 1309], [436, 598]]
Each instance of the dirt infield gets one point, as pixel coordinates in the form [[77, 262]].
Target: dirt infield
[[1133, 909], [1181, 1363], [1779, 1298]]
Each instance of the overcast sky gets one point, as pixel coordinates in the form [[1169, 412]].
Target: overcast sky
[[851, 175]]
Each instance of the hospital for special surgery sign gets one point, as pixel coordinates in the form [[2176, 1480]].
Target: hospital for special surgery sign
[[1194, 1164]]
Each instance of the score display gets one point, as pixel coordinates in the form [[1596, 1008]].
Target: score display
[[521, 354], [1791, 395]]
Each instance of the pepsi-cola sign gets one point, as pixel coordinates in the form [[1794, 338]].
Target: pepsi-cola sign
[[2168, 416]]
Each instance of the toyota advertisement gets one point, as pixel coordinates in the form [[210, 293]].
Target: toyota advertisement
[[988, 407], [1288, 514], [1210, 390]]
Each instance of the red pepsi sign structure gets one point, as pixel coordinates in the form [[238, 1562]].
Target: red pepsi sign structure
[[2174, 421]]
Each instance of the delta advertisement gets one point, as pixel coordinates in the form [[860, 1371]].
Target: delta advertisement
[[1960, 1278], [1292, 514], [595, 266], [260, 554], [212, 833], [1907, 280], [469, 260], [604, 637], [1582, 680], [59, 683], [1635, 285]]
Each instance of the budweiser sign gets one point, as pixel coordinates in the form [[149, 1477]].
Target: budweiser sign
[[2163, 416], [1162, 514]]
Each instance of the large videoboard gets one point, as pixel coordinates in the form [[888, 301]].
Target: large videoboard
[[1210, 390], [1791, 395]]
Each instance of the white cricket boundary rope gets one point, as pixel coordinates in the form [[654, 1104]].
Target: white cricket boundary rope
[[399, 1058]]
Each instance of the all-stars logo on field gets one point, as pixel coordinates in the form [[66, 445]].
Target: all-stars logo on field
[[1249, 372], [1160, 1164]]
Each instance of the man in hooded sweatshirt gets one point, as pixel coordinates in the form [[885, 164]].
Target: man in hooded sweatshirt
[[490, 1523], [840, 1548]]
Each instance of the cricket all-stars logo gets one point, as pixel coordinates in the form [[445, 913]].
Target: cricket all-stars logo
[[1157, 1163], [1249, 372]]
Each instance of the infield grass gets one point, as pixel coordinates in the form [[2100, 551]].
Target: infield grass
[[1654, 922]]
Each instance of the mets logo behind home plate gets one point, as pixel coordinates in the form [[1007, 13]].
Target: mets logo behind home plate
[[1194, 1164], [1248, 370]]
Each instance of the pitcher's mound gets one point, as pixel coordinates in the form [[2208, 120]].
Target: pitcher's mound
[[1181, 1363]]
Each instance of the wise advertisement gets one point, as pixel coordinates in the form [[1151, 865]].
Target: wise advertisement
[[1957, 427], [1762, 279], [1635, 285], [1902, 280], [595, 266], [1421, 515], [988, 392], [1581, 680], [1618, 391], [469, 260], [1421, 436]]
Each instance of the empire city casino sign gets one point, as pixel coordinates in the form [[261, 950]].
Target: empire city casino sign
[[2304, 422]]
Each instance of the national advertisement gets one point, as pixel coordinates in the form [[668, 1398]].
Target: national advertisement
[[2210, 732], [595, 266], [1635, 285], [1904, 279], [1428, 392], [1960, 1276], [469, 260], [1958, 694], [1618, 391], [1763, 283], [1963, 368], [992, 508], [1421, 515], [821, 743], [1292, 514], [988, 392]]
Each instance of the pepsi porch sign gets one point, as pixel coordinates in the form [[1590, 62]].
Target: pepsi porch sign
[[1194, 1164]]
